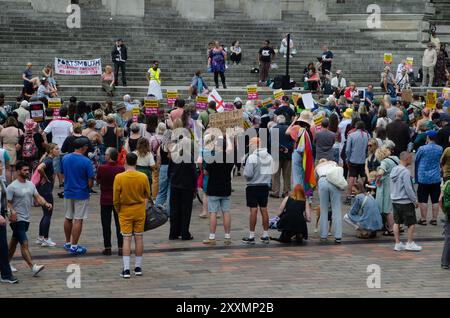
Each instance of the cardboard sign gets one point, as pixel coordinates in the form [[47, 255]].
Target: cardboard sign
[[388, 58], [278, 94], [431, 99], [202, 102], [136, 112], [55, 104], [226, 120], [252, 92], [267, 102], [151, 107], [37, 111], [308, 101], [407, 95], [172, 96]]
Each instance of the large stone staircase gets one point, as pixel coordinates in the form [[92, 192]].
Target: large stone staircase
[[179, 45]]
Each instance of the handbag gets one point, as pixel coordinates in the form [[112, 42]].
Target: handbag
[[155, 217], [36, 177]]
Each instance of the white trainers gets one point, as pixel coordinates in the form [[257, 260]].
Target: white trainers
[[399, 247], [413, 247], [37, 269], [13, 269], [350, 222], [39, 241], [48, 243]]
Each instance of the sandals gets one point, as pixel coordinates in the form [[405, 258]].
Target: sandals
[[388, 233], [433, 222], [422, 222]]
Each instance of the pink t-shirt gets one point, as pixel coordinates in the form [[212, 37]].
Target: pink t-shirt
[[108, 77], [176, 114]]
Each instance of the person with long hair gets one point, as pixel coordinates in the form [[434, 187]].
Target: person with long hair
[[10, 136], [295, 212], [45, 189], [217, 58], [236, 52], [145, 162], [108, 81]]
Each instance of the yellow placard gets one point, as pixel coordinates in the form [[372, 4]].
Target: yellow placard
[[54, 103], [446, 92], [431, 99], [267, 102], [410, 61], [278, 94], [318, 119], [388, 58], [172, 94], [296, 97]]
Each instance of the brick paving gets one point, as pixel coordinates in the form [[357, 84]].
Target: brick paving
[[189, 269]]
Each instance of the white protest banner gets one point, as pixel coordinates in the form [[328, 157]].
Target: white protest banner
[[78, 67]]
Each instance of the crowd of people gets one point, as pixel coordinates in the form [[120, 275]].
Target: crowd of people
[[362, 146]]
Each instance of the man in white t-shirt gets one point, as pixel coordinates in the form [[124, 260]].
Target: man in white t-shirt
[[60, 128]]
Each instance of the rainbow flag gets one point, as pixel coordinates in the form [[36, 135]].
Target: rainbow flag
[[305, 146]]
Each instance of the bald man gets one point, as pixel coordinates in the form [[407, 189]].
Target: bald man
[[398, 131]]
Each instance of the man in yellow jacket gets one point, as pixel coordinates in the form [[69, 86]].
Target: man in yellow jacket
[[131, 194]]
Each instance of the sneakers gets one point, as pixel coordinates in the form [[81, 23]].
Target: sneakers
[[39, 241], [265, 240], [227, 241], [399, 247], [247, 240], [67, 246], [9, 280], [209, 242], [446, 267], [80, 250], [413, 247], [138, 271], [125, 274], [37, 269], [48, 243], [13, 269]]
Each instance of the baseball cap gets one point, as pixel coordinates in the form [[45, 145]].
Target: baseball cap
[[432, 133], [80, 142], [24, 104]]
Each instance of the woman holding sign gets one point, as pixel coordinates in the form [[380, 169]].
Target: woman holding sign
[[154, 78]]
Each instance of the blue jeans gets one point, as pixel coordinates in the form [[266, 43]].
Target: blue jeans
[[328, 193], [163, 188], [5, 270], [297, 169]]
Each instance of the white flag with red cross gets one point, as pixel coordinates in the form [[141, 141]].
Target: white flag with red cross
[[214, 96]]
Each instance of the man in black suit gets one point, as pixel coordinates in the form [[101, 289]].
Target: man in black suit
[[119, 57]]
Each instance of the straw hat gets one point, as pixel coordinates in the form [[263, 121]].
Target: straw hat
[[306, 117]]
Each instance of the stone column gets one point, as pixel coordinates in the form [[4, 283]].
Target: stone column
[[58, 6], [232, 4], [195, 10], [135, 8], [263, 9]]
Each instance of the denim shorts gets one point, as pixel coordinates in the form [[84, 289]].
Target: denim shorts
[[219, 204], [57, 164], [20, 230]]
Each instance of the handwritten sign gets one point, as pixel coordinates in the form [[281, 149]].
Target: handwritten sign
[[278, 94], [55, 104], [252, 92], [296, 97], [136, 112], [37, 111], [388, 58], [409, 63], [151, 107], [431, 99], [407, 95], [202, 102], [172, 96], [226, 120]]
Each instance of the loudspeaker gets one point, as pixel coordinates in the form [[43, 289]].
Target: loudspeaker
[[282, 81]]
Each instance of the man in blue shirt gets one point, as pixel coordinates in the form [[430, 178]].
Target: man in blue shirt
[[428, 174], [78, 180], [368, 102]]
